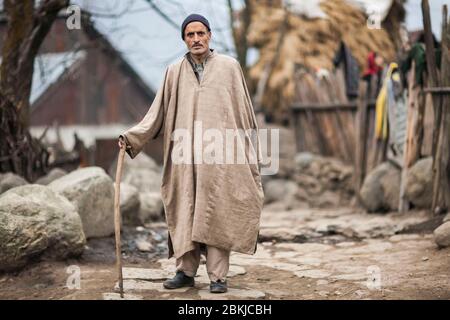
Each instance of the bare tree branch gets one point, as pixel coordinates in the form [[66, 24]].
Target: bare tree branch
[[162, 14]]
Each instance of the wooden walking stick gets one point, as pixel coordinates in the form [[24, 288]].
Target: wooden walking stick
[[117, 217]]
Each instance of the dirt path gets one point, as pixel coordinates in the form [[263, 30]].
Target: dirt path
[[305, 254]]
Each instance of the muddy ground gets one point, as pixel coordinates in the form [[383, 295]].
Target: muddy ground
[[303, 254]]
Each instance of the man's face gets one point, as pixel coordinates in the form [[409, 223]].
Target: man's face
[[197, 36]]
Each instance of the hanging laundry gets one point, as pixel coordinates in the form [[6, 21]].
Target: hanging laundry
[[418, 55], [351, 70], [391, 112], [373, 74]]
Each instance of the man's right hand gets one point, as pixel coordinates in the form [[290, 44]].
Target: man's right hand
[[122, 143]]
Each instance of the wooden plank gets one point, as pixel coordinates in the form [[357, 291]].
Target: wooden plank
[[342, 143], [361, 138], [438, 90], [432, 71], [403, 205], [441, 183], [330, 134]]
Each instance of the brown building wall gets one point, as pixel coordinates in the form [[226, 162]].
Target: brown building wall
[[103, 92]]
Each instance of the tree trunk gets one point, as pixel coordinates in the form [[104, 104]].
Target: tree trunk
[[26, 30], [240, 34], [441, 181]]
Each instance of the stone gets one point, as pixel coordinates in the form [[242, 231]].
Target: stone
[[142, 285], [91, 190], [36, 222], [360, 293], [146, 274], [143, 246], [141, 172], [323, 293], [130, 204], [419, 186], [231, 293], [314, 273], [116, 296], [446, 218], [280, 190], [152, 207], [381, 187], [303, 160], [323, 181], [10, 180], [328, 199], [54, 174], [442, 235]]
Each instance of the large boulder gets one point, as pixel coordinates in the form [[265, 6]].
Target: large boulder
[[381, 187], [130, 205], [446, 218], [287, 149], [91, 190], [442, 235], [54, 174], [141, 172], [419, 186], [10, 180], [279, 190], [325, 181], [281, 194], [152, 208], [37, 222]]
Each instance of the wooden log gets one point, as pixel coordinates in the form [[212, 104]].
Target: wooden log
[[344, 138], [438, 90], [441, 183], [409, 138], [432, 71], [361, 138], [419, 129], [416, 113]]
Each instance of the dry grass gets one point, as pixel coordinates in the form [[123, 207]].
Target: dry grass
[[309, 43]]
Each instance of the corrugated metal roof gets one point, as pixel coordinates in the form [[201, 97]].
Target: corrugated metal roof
[[48, 69]]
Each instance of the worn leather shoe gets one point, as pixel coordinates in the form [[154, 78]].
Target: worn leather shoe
[[218, 286], [179, 281]]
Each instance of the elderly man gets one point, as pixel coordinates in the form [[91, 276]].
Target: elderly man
[[210, 206]]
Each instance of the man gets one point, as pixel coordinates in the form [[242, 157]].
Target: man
[[210, 206]]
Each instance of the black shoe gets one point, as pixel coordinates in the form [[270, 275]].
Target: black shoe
[[179, 281], [218, 286]]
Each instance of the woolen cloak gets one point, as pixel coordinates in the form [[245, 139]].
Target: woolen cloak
[[214, 204]]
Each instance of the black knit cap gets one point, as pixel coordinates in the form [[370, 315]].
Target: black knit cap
[[191, 18]]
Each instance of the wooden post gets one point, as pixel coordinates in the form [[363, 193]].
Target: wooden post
[[409, 138], [361, 138], [433, 79], [416, 150], [441, 183]]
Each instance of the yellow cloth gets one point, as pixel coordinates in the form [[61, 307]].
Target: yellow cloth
[[381, 119]]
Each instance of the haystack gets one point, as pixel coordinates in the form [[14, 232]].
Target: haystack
[[290, 42]]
